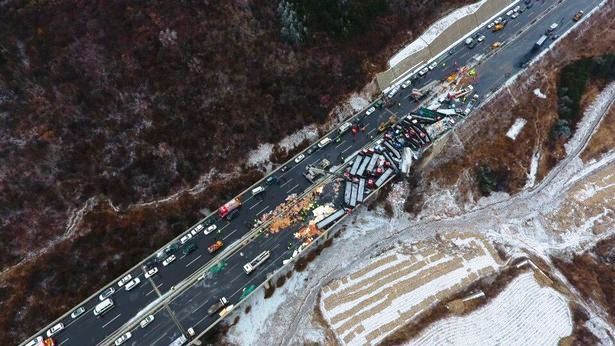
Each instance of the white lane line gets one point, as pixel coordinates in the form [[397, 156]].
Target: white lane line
[[148, 293], [345, 150], [113, 319], [235, 230], [262, 210], [255, 204], [199, 256], [372, 130], [340, 144], [292, 188], [286, 182], [63, 341]]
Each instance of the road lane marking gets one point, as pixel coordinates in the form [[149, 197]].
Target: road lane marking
[[286, 182], [345, 150], [257, 203], [148, 293], [113, 319], [193, 261], [292, 188], [262, 210], [63, 341], [235, 230], [372, 130], [340, 144]]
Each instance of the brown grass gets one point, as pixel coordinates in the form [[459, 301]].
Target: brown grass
[[603, 139]]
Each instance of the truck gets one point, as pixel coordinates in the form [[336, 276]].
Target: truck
[[228, 207], [179, 341], [217, 306], [386, 124], [215, 246], [329, 220], [540, 42]]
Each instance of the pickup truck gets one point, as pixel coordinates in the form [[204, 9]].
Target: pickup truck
[[217, 306], [215, 246]]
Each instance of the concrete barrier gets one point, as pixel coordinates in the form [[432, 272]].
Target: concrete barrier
[[424, 51]]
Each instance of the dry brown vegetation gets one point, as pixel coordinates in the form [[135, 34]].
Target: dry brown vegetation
[[603, 139], [483, 135], [593, 274], [132, 102]]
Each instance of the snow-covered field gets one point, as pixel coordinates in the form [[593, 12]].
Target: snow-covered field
[[386, 293], [523, 314]]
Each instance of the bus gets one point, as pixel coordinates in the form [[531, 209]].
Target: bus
[[249, 267], [103, 307]]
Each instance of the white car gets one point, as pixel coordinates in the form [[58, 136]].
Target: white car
[[370, 110], [132, 284], [423, 72], [515, 15], [498, 20], [106, 293], [168, 260], [185, 238], [151, 272], [124, 280], [393, 92], [55, 329], [210, 229], [36, 341], [405, 85], [299, 158], [433, 65], [490, 25], [123, 339], [78, 312], [517, 8], [147, 321], [510, 13], [480, 38]]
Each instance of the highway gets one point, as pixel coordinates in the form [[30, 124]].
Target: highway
[[187, 299]]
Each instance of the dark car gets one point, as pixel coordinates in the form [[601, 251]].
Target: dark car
[[233, 214], [271, 180], [311, 150], [189, 248], [285, 168]]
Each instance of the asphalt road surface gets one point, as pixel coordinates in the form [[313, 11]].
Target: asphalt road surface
[[188, 308]]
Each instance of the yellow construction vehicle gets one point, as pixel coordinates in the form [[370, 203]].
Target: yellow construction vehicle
[[386, 124], [498, 27]]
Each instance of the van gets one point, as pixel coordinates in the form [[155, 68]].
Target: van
[[257, 190], [103, 307], [553, 27], [323, 143], [345, 127]]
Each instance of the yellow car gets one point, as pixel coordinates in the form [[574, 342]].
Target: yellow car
[[496, 45]]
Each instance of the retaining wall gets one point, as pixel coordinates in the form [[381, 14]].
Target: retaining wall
[[455, 32]]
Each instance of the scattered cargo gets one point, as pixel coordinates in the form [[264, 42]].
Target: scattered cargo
[[386, 124], [215, 246], [217, 306]]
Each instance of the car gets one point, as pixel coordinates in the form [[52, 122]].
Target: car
[[299, 158], [578, 16], [233, 214], [258, 190], [469, 40], [406, 84], [323, 143], [168, 260], [517, 8], [210, 229], [210, 221], [55, 329], [472, 44], [106, 293], [423, 71], [151, 272], [552, 27], [510, 13], [481, 38], [393, 92], [132, 284], [433, 65], [189, 248], [196, 229], [498, 20], [122, 339], [146, 321], [490, 25], [504, 21], [497, 44], [285, 168], [124, 280], [515, 15], [185, 238], [528, 6], [271, 180], [527, 2], [371, 110], [35, 341], [310, 151], [78, 312]]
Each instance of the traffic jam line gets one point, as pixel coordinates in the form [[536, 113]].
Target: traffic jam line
[[111, 320], [194, 260]]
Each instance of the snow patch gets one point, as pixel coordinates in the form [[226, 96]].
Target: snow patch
[[433, 32], [358, 103], [539, 93], [260, 155], [523, 314], [531, 176], [516, 128]]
